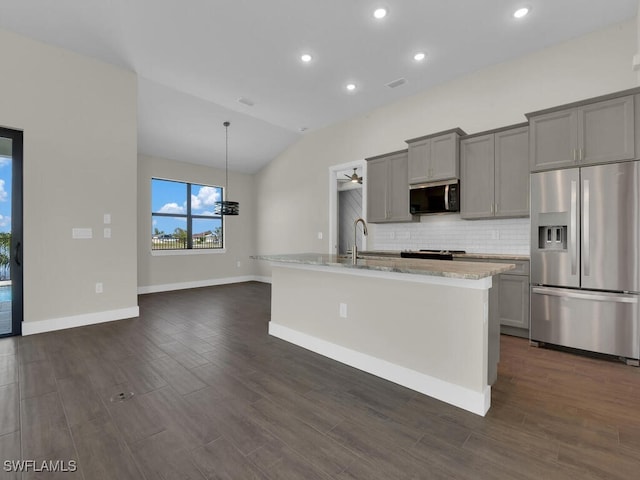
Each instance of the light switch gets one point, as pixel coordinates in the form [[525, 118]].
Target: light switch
[[81, 233], [343, 310]]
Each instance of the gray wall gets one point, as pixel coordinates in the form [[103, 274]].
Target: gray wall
[[80, 154], [192, 269]]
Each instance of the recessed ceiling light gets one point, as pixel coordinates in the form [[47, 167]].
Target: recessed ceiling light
[[380, 13], [305, 57], [351, 87], [418, 57], [521, 12]]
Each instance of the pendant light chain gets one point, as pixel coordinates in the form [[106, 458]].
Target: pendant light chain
[[226, 159], [226, 207]]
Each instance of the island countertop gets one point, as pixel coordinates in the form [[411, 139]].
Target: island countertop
[[438, 268]]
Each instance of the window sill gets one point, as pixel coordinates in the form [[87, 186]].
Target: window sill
[[204, 251]]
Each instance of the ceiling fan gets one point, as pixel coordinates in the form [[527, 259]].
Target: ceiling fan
[[353, 178]]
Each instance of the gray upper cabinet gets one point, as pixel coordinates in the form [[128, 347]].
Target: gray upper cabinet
[[494, 172], [377, 178], [512, 173], [477, 177], [588, 134], [387, 188], [435, 157]]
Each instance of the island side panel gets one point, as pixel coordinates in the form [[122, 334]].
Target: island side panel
[[438, 331]]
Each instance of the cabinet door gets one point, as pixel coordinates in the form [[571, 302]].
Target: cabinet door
[[419, 155], [606, 131], [398, 189], [513, 302], [512, 173], [477, 177], [553, 140], [445, 157], [377, 179]]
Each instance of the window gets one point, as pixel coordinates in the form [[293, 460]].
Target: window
[[182, 216]]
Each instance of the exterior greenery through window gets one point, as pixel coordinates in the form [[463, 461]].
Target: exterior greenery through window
[[183, 216]]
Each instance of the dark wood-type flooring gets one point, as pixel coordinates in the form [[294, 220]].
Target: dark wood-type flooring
[[217, 398]]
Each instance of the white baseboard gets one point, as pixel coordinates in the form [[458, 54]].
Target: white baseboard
[[167, 287], [49, 325], [461, 397], [262, 279]]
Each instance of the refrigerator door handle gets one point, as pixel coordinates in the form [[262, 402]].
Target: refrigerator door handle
[[599, 297], [586, 254], [574, 225]]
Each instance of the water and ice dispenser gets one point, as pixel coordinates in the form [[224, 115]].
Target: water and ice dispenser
[[552, 237]]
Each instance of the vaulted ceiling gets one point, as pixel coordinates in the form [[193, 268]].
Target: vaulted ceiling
[[196, 58]]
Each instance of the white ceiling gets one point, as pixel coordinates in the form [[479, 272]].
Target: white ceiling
[[195, 58]]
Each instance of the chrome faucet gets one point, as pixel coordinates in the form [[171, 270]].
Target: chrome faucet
[[354, 250]]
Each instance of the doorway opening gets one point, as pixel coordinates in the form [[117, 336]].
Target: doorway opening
[[347, 202], [10, 232]]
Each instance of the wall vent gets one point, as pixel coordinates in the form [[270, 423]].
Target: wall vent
[[246, 101], [396, 83]]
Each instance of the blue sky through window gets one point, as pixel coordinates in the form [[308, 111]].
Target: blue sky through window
[[170, 197], [5, 194]]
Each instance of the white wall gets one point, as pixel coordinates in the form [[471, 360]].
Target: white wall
[[169, 272], [79, 121], [496, 96]]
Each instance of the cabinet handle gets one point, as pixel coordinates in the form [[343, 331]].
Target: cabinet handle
[[575, 154], [581, 155], [496, 209], [491, 208]]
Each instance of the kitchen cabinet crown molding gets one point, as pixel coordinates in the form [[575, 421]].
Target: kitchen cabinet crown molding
[[495, 130], [384, 155], [457, 130], [585, 102]]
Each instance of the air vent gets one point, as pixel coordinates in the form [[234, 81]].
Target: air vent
[[246, 101], [396, 83]]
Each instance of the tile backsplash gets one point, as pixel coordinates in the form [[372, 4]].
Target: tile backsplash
[[451, 232]]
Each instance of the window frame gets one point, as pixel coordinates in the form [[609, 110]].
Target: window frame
[[189, 217]]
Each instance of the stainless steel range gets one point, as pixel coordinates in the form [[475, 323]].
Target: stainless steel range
[[585, 258], [431, 254]]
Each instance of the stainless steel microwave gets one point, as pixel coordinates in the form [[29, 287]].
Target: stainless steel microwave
[[436, 197]]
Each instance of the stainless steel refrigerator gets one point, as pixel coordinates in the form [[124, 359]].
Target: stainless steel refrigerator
[[585, 258]]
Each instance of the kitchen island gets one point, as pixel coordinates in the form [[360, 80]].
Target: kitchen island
[[420, 323]]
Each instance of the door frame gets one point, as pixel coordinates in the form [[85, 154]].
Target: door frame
[[16, 255], [334, 171]]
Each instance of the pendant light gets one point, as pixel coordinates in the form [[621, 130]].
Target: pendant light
[[226, 207]]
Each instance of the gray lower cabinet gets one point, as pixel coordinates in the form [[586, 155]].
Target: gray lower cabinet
[[387, 188], [594, 133], [494, 174], [509, 297]]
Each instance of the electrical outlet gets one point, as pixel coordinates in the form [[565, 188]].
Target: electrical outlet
[[319, 235], [238, 264], [106, 218], [107, 232], [99, 287], [343, 310]]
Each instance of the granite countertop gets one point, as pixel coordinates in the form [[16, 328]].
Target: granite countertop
[[440, 268], [493, 256], [488, 256]]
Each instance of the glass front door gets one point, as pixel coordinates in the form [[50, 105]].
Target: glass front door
[[10, 232]]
